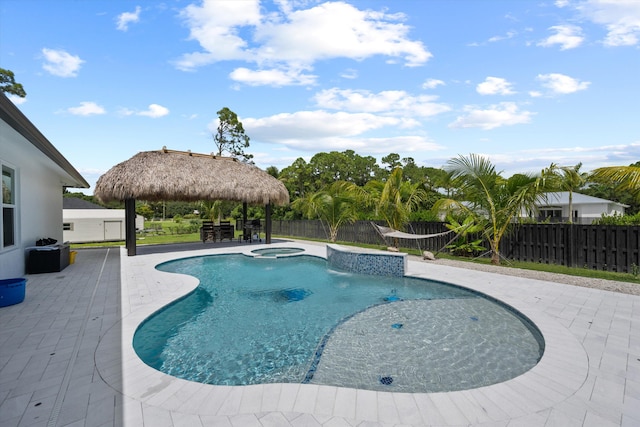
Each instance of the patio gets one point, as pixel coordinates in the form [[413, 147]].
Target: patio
[[66, 357]]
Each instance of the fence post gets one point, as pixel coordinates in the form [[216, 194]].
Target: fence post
[[571, 259]]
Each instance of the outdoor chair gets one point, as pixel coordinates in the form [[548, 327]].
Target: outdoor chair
[[226, 230], [207, 231]]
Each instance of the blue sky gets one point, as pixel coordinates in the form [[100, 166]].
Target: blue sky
[[525, 83]]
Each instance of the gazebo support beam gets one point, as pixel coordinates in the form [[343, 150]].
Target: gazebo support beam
[[267, 231], [244, 219], [130, 225]]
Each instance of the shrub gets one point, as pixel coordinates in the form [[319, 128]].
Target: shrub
[[618, 219]]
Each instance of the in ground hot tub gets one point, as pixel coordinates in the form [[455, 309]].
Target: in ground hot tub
[[367, 261], [275, 252]]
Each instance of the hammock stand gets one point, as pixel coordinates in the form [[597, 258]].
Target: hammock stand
[[385, 232]]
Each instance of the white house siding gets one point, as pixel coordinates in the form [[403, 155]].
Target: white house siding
[[591, 212], [588, 208], [38, 198], [96, 225], [41, 173]]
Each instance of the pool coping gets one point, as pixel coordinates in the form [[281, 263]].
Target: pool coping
[[560, 373]]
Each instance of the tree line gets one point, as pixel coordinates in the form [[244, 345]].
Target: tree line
[[341, 187], [469, 192]]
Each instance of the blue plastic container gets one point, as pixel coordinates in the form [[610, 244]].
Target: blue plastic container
[[12, 291]]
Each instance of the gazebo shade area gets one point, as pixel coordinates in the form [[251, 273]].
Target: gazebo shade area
[[185, 176]]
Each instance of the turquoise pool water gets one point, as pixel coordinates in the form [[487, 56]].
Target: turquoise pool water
[[290, 319]]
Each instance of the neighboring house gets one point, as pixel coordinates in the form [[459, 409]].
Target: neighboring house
[[83, 221], [585, 208], [34, 174]]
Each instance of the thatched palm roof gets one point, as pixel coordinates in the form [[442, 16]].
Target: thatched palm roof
[[185, 176]]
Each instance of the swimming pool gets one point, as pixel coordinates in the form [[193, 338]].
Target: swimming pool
[[290, 319]]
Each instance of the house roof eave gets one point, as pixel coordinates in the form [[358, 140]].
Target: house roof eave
[[10, 114]]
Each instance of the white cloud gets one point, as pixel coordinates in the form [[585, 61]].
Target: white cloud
[[17, 100], [363, 146], [314, 124], [60, 63], [502, 114], [273, 77], [390, 102], [349, 73], [154, 111], [337, 29], [567, 36], [216, 26], [291, 38], [535, 159], [495, 86], [125, 18], [432, 83], [561, 84], [509, 35], [621, 19], [87, 109], [317, 131]]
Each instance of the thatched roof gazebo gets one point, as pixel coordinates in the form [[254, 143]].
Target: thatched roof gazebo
[[185, 176]]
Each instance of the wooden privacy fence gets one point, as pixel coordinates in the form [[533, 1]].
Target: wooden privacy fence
[[597, 247], [363, 232]]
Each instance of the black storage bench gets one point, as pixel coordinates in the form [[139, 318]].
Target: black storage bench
[[47, 259]]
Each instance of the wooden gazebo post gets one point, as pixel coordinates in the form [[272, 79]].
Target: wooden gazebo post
[[267, 225], [244, 219], [130, 225]]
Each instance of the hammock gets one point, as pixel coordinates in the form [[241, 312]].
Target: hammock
[[390, 232], [385, 232]]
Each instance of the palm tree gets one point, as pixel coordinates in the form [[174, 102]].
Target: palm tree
[[627, 177], [566, 178], [489, 198], [212, 209], [396, 199], [334, 205]]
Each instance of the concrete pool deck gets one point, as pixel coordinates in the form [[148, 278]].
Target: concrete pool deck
[[66, 357]]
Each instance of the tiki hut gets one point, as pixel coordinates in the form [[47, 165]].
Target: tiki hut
[[185, 176]]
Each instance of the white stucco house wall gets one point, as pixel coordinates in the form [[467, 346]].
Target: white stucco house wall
[[34, 174], [83, 221], [586, 209]]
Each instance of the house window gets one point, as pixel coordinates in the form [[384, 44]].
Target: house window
[[67, 226], [552, 214], [8, 229]]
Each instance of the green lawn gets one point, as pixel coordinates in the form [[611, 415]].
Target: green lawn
[[158, 233]]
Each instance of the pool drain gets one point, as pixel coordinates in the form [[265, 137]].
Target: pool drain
[[386, 380]]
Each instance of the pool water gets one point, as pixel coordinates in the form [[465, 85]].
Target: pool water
[[291, 319]]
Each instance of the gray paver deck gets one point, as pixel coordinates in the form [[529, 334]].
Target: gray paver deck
[[66, 357]]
